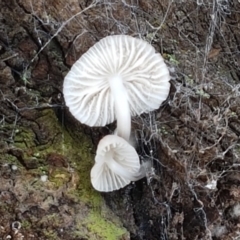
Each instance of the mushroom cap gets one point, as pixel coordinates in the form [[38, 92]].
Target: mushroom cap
[[145, 75], [114, 156]]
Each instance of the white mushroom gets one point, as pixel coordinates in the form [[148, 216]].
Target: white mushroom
[[118, 77], [116, 164]]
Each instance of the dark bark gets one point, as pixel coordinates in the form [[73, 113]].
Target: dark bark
[[192, 140]]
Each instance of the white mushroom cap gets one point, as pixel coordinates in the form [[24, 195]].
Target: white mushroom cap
[[117, 74], [116, 164]]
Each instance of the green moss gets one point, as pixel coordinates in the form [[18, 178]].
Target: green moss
[[172, 59], [9, 159], [25, 76], [50, 234], [24, 138], [237, 148], [189, 80], [202, 93], [50, 220], [59, 176], [26, 224], [163, 130], [77, 153], [103, 228], [79, 157]]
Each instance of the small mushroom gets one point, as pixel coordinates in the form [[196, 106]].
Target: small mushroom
[[116, 164], [118, 77]]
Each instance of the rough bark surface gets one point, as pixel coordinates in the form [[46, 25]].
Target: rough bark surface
[[192, 141]]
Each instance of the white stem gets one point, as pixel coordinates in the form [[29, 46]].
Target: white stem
[[125, 173], [122, 109]]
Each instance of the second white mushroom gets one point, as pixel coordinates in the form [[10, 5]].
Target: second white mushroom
[[116, 164]]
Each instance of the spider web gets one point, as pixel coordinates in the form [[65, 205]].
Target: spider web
[[192, 141]]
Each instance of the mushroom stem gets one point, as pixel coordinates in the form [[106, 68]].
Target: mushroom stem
[[124, 173], [122, 109]]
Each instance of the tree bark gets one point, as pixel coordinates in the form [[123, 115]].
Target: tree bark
[[192, 141]]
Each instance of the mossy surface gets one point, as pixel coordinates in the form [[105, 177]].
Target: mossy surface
[[50, 150], [103, 228]]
